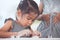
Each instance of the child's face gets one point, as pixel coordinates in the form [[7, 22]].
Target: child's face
[[27, 19]]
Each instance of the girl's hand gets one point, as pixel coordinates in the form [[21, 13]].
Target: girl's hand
[[24, 33], [36, 33]]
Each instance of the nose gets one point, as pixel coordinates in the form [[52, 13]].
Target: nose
[[30, 22]]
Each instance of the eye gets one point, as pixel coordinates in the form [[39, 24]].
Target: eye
[[29, 18]]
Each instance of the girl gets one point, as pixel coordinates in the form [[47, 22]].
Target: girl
[[27, 11]]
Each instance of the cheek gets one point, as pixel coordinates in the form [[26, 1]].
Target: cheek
[[25, 22]]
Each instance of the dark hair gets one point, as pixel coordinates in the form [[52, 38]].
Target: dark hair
[[27, 6], [8, 19]]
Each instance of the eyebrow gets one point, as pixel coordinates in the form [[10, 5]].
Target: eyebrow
[[29, 17]]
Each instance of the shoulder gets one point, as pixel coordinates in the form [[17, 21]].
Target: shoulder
[[6, 26], [9, 22]]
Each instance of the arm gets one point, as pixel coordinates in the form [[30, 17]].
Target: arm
[[41, 6], [7, 34], [6, 26], [43, 17], [4, 30], [57, 17]]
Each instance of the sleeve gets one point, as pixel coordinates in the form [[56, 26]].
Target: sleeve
[[56, 30], [44, 31]]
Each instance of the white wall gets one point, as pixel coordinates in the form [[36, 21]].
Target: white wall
[[7, 9]]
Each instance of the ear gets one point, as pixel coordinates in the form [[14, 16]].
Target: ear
[[19, 13]]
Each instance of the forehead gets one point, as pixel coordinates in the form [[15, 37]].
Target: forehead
[[31, 15]]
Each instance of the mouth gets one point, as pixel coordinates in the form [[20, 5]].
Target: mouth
[[27, 25]]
